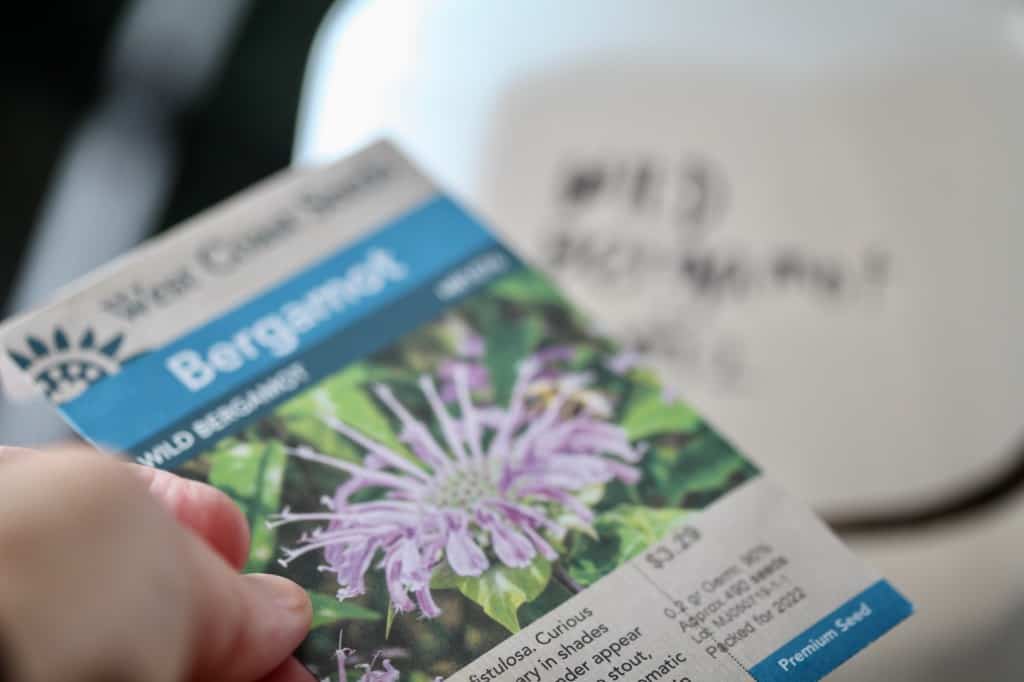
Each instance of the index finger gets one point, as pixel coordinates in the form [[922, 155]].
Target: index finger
[[205, 510]]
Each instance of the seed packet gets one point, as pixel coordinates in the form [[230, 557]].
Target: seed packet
[[470, 480]]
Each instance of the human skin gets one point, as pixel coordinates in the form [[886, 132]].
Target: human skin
[[111, 572]]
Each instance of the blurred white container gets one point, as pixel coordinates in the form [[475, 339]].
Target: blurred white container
[[875, 144], [887, 130], [844, 136]]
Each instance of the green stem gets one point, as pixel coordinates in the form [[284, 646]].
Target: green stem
[[559, 573]]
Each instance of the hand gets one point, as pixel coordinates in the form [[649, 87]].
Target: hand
[[115, 572]]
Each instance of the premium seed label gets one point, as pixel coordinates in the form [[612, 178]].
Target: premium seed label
[[472, 483]]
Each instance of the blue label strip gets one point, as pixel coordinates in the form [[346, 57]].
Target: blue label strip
[[125, 411], [837, 637], [330, 355]]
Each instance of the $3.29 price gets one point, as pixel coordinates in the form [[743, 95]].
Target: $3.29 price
[[677, 542]]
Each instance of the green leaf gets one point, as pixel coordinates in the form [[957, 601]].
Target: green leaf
[[354, 406], [327, 609], [261, 546], [420, 676], [507, 344], [637, 526], [501, 590], [703, 469], [300, 418], [645, 376], [622, 533], [648, 415], [390, 621], [346, 397], [526, 287], [252, 474]]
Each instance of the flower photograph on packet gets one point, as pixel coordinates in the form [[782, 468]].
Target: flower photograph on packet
[[451, 489]]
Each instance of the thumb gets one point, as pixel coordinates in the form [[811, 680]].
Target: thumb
[[254, 622], [243, 626]]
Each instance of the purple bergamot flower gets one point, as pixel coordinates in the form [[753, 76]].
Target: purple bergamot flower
[[389, 673], [491, 489]]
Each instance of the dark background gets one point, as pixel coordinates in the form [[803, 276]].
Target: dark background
[[51, 67]]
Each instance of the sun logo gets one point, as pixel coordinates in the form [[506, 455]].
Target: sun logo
[[64, 370]]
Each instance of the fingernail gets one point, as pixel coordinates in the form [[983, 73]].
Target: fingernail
[[286, 597]]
